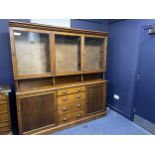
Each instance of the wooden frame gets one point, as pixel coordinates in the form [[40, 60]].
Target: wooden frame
[[16, 75], [74, 35], [53, 81]]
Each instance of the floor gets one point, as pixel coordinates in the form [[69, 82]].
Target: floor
[[112, 124]]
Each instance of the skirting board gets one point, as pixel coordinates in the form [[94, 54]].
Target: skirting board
[[144, 123]]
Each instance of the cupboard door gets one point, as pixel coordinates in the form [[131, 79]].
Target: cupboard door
[[67, 51], [32, 52], [37, 111], [96, 95], [93, 54]]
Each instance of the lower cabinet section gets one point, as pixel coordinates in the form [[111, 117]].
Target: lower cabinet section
[[51, 110]]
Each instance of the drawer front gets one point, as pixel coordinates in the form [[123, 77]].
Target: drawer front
[[3, 107], [3, 116], [2, 96], [4, 129], [65, 118], [71, 117], [2, 100], [78, 115], [4, 124], [64, 109], [70, 90], [71, 98], [70, 107]]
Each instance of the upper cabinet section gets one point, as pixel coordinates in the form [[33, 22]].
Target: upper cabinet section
[[32, 52], [46, 51]]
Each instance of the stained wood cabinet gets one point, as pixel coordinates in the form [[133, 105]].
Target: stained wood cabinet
[[58, 75]]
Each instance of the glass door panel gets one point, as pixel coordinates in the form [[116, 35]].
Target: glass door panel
[[67, 50], [93, 54], [32, 52]]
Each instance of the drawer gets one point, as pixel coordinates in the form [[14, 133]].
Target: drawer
[[64, 109], [5, 132], [70, 107], [3, 107], [71, 90], [3, 116], [4, 124], [4, 129], [2, 96], [3, 100], [71, 98], [65, 118], [71, 117], [78, 115]]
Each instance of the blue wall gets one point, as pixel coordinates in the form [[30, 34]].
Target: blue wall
[[123, 46], [90, 24], [6, 71]]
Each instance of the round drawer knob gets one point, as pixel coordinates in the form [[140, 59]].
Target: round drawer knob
[[65, 119], [78, 90], [78, 115], [78, 105], [78, 96], [64, 99], [65, 91], [65, 109]]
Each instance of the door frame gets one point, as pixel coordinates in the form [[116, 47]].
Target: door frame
[[143, 29]]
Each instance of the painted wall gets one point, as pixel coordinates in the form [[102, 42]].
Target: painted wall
[[90, 24], [54, 22], [123, 46], [6, 72]]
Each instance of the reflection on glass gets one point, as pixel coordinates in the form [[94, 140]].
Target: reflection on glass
[[67, 50], [32, 52], [93, 53]]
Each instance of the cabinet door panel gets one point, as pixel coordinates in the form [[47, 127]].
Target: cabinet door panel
[[37, 111], [32, 52], [96, 98], [67, 50], [93, 53]]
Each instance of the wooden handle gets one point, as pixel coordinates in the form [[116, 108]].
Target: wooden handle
[[78, 105], [78, 96], [65, 91], [65, 119], [65, 109], [65, 99], [78, 90], [78, 115]]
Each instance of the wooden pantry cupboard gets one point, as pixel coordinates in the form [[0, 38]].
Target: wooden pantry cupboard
[[59, 76]]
